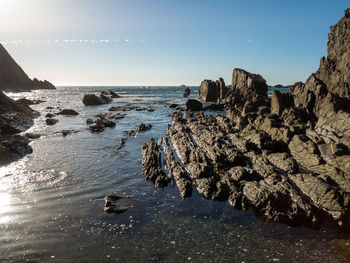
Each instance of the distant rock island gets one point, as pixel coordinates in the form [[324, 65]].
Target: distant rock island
[[13, 78], [279, 86], [286, 157]]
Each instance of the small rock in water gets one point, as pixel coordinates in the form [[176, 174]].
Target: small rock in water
[[68, 112], [51, 121], [117, 204]]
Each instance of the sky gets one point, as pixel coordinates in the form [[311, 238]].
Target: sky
[[166, 42]]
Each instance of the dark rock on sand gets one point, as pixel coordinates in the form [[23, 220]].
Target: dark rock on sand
[[68, 112], [194, 105]]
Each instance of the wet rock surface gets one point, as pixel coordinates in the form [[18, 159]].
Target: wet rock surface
[[286, 158], [68, 112], [117, 204], [14, 118], [93, 100]]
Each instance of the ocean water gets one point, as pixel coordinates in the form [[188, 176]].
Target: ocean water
[[51, 202]]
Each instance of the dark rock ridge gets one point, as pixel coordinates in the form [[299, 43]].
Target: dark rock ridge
[[13, 78], [287, 158], [14, 118], [212, 91]]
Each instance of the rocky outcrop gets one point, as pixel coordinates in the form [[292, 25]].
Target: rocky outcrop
[[152, 165], [247, 86], [212, 91], [39, 84], [13, 78], [280, 101], [334, 71], [287, 158], [14, 118]]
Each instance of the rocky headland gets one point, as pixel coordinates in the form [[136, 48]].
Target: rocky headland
[[286, 157], [14, 79], [15, 116]]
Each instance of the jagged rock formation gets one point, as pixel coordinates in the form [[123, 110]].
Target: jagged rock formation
[[14, 118], [334, 71], [13, 78], [286, 157], [212, 91]]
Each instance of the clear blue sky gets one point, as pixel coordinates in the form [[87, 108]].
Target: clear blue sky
[[166, 42]]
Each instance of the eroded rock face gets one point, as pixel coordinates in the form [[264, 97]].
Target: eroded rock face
[[152, 165], [14, 118], [212, 91], [334, 70], [208, 91], [287, 158], [248, 86]]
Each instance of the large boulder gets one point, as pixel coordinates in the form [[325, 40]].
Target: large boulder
[[249, 86], [193, 105], [212, 91], [208, 91]]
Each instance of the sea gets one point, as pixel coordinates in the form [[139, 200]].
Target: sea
[[51, 201]]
